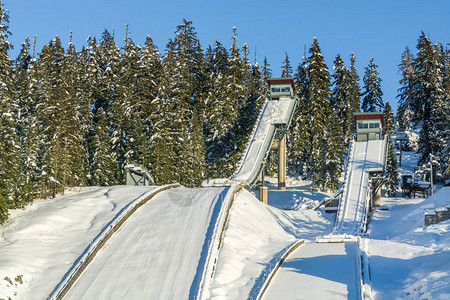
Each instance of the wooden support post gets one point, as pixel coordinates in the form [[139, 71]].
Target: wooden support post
[[282, 164], [263, 195]]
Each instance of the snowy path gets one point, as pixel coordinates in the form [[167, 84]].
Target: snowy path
[[365, 157], [318, 271], [171, 233]]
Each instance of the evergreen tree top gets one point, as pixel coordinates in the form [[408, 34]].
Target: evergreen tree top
[[287, 68]]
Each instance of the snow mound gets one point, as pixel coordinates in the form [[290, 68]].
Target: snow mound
[[256, 237], [38, 245]]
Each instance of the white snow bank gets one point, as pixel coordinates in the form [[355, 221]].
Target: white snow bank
[[38, 245], [408, 260], [256, 237]]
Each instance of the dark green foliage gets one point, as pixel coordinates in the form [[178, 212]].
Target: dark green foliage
[[298, 139], [341, 97], [391, 174], [9, 152], [372, 95], [430, 100], [389, 125], [286, 67], [405, 111], [319, 112], [355, 94]]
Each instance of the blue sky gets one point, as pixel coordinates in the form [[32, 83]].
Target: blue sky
[[371, 29]]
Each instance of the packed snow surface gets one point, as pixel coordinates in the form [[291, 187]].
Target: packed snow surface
[[159, 252], [408, 260], [317, 271], [38, 245], [366, 156]]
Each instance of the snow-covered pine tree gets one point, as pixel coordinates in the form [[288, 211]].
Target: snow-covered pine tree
[[355, 92], [28, 125], [131, 143], [320, 110], [341, 97], [149, 74], [372, 95], [59, 80], [389, 125], [77, 118], [286, 67], [182, 96], [334, 155], [103, 167], [299, 137], [102, 161], [392, 174], [215, 127], [238, 95], [404, 110], [430, 101], [266, 73], [9, 157]]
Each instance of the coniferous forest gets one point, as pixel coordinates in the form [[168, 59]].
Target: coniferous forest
[[76, 118]]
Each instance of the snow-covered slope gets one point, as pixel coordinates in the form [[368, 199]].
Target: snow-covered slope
[[159, 252], [256, 237], [38, 245], [408, 260]]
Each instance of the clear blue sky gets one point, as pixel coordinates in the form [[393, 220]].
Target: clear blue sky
[[371, 29]]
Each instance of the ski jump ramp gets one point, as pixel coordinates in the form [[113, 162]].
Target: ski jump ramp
[[179, 230], [174, 232], [275, 117], [364, 157]]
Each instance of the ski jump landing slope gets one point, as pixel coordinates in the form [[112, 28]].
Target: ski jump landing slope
[[365, 157], [318, 271], [172, 232], [276, 114]]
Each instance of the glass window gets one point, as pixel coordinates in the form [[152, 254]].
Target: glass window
[[285, 89], [374, 125], [275, 90]]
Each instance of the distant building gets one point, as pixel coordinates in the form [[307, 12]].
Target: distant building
[[281, 87], [369, 126]]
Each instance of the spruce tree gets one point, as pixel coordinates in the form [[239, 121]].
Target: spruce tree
[[183, 66], [405, 111], [355, 94], [9, 163], [334, 155], [149, 74], [215, 124], [341, 97], [372, 95], [298, 140], [429, 101], [389, 125], [320, 110], [391, 181], [28, 125], [286, 67]]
